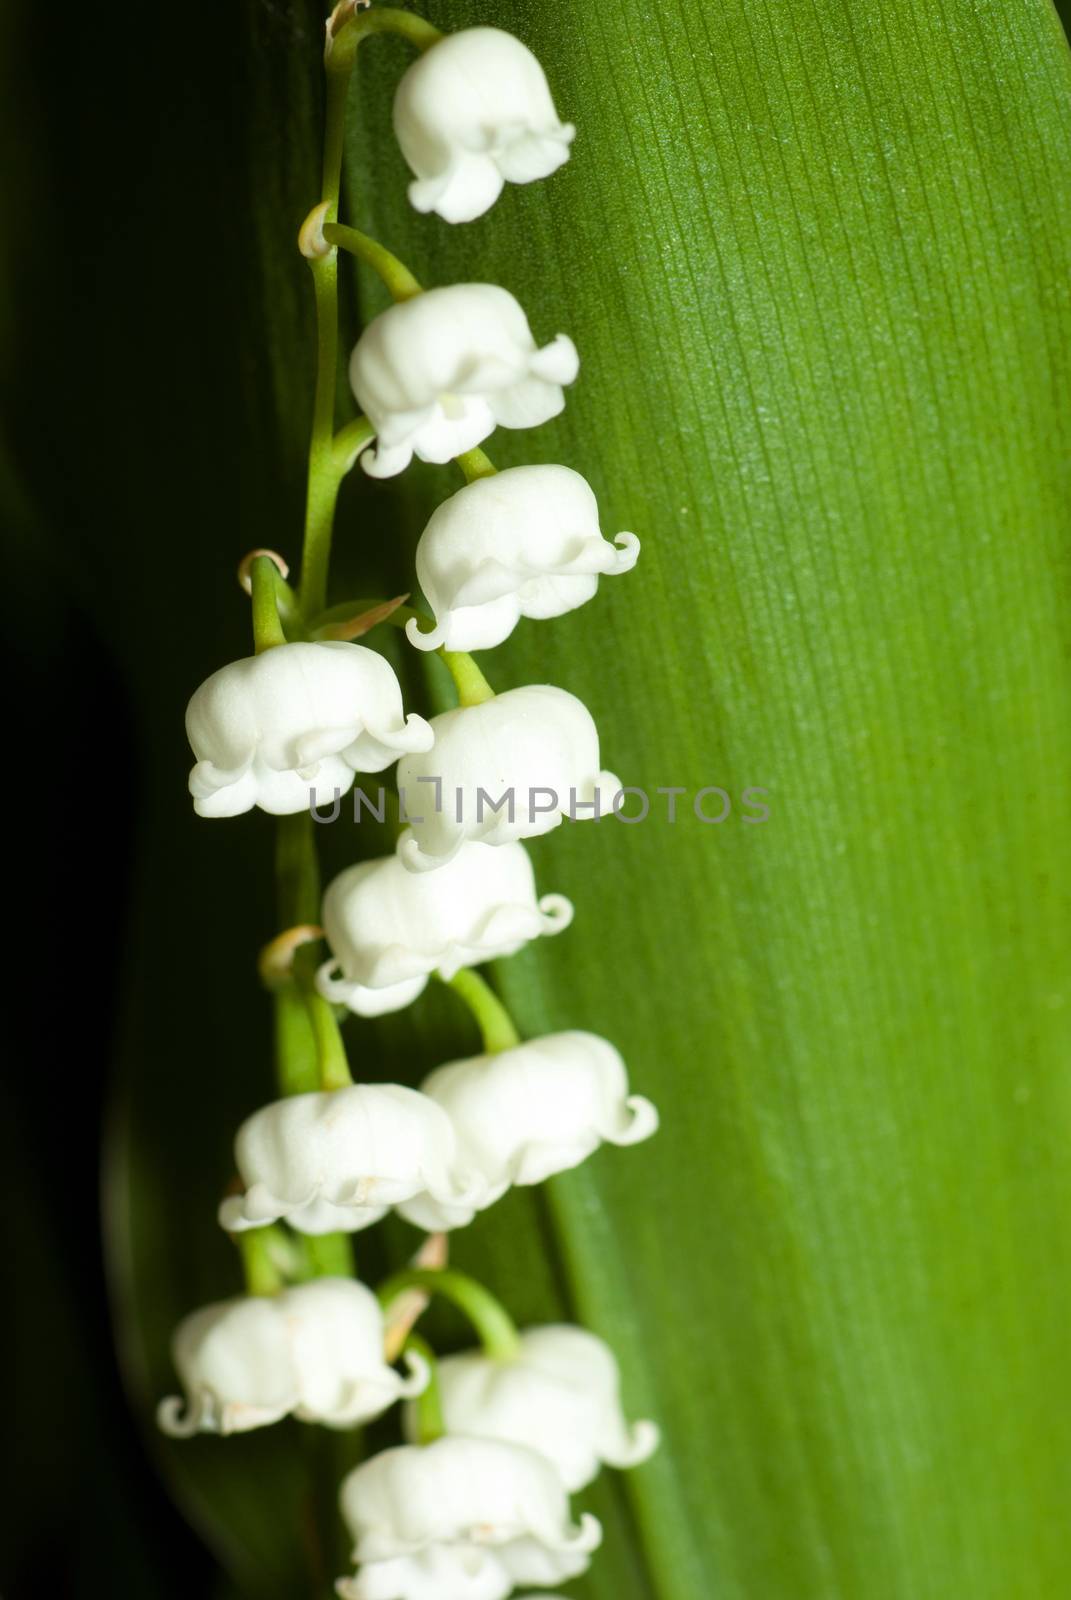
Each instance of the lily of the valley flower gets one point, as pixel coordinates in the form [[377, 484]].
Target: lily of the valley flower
[[389, 928], [522, 1114], [471, 114], [315, 1351], [460, 1519], [342, 1158], [524, 543], [507, 769], [560, 1395], [436, 374], [299, 718]]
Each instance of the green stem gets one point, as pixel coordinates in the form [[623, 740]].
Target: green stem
[[342, 45], [493, 1020], [476, 464], [346, 446], [492, 1322], [324, 477], [267, 625], [262, 1274], [431, 1424], [329, 1255], [334, 1067], [394, 273], [297, 876], [471, 685]]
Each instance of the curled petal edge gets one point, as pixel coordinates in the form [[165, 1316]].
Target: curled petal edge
[[170, 1419], [420, 1376], [644, 1437], [628, 553], [419, 860], [557, 913], [425, 641], [644, 1122], [583, 1539]]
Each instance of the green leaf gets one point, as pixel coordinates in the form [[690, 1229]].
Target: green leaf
[[814, 256]]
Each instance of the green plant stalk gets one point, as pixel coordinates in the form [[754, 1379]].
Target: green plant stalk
[[267, 625], [496, 1026], [394, 273], [262, 1273], [431, 1424], [471, 685], [494, 1327]]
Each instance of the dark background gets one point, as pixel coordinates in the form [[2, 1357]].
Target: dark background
[[125, 134]]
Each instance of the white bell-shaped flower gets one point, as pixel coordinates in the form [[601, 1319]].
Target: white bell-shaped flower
[[299, 719], [559, 1395], [510, 768], [472, 113], [314, 1352], [436, 374], [342, 1158], [523, 543], [389, 928], [523, 1114], [460, 1519]]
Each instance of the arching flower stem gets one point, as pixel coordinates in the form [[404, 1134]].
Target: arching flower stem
[[348, 27], [267, 624], [496, 1026], [476, 464], [494, 1326], [394, 273], [334, 1067], [431, 1424], [471, 685]]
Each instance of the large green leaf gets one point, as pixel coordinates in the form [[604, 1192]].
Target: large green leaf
[[814, 256]]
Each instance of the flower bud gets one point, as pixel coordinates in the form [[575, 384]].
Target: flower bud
[[560, 1395], [471, 1517], [295, 722], [436, 374], [342, 1158], [472, 113], [315, 1351], [507, 769], [523, 1114], [523, 543], [390, 928]]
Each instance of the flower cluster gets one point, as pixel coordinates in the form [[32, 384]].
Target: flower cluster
[[476, 1501]]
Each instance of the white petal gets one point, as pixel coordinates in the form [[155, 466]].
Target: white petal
[[389, 928], [542, 1107], [433, 373], [512, 767], [358, 1150], [470, 112], [268, 729]]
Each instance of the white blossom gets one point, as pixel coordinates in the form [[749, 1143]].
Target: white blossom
[[507, 769], [472, 113], [523, 1114], [269, 729], [340, 1159], [523, 543], [314, 1352], [460, 1519], [436, 374], [389, 928], [559, 1395]]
